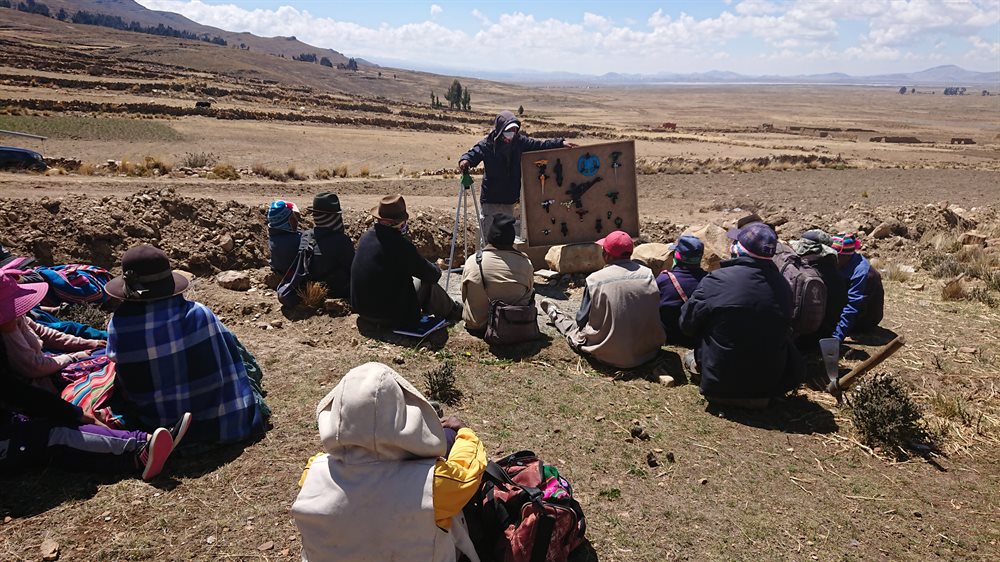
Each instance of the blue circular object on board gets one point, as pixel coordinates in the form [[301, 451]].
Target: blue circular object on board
[[588, 164]]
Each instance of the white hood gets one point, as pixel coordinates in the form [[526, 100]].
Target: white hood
[[374, 414]]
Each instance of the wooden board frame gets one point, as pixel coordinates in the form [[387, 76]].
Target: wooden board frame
[[595, 201]]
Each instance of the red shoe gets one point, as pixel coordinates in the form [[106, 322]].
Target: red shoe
[[155, 453]]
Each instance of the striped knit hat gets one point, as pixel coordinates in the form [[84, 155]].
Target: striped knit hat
[[279, 213], [846, 244]]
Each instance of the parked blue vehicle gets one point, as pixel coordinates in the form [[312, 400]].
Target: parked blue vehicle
[[12, 158]]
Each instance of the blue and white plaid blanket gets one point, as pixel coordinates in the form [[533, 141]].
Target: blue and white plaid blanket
[[175, 356]]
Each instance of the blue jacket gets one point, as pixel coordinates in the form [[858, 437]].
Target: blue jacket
[[740, 316], [284, 246], [502, 177], [689, 277], [865, 298]]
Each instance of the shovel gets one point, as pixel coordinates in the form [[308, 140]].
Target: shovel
[[830, 350]]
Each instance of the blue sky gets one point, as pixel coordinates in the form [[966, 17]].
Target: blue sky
[[783, 37]]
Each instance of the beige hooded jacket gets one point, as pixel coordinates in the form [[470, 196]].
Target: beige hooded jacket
[[371, 496]]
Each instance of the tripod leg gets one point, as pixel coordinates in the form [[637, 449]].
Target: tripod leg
[[454, 235]]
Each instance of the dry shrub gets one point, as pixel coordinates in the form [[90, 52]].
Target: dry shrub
[[948, 266], [885, 415], [951, 408], [340, 171], [970, 254], [292, 173], [441, 384], [954, 289], [55, 171], [364, 172], [896, 272], [983, 295], [943, 241], [225, 172], [313, 294], [265, 172], [323, 174], [85, 314], [87, 169], [199, 160]]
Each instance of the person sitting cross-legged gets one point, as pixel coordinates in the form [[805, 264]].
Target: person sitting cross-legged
[[865, 294], [740, 316], [391, 283], [618, 322], [504, 274]]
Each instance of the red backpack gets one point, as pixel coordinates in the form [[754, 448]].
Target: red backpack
[[524, 512]]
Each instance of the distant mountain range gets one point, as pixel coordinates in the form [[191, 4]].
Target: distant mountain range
[[129, 11], [946, 75]]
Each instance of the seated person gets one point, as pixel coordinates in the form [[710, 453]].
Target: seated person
[[25, 339], [333, 250], [387, 487], [618, 322], [38, 428], [740, 316], [283, 235], [391, 283], [814, 249], [504, 274], [677, 284], [865, 294], [173, 356]]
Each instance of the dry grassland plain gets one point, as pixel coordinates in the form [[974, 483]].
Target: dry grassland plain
[[790, 483]]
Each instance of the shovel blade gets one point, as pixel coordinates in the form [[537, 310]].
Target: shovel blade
[[830, 349]]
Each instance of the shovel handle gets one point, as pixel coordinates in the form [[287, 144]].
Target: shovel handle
[[868, 364]]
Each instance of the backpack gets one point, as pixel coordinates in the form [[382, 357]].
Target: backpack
[[298, 272], [508, 323], [808, 292], [524, 511]]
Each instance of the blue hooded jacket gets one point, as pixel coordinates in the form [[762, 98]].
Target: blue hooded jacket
[[502, 178]]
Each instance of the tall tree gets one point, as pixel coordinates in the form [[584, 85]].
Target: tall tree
[[454, 95], [466, 100]]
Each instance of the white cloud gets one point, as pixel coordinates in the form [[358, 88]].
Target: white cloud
[[792, 36]]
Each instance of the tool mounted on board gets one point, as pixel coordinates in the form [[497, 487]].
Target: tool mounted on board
[[564, 229], [542, 166], [599, 227], [576, 191], [547, 203], [618, 223], [613, 196], [615, 164], [581, 212], [558, 169]]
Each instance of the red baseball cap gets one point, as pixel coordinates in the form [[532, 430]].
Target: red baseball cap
[[617, 244]]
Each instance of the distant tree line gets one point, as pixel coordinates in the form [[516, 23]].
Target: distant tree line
[[104, 20]]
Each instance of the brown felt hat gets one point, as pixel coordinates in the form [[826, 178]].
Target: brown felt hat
[[146, 276], [391, 207]]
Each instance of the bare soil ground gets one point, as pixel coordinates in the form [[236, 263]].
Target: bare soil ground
[[791, 482]]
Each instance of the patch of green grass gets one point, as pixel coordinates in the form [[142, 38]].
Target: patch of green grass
[[637, 471], [610, 493], [495, 361], [90, 128]]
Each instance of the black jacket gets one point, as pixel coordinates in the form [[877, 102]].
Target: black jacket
[[333, 256], [740, 316], [502, 177], [382, 277]]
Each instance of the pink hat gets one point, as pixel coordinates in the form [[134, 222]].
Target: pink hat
[[617, 244], [16, 299]]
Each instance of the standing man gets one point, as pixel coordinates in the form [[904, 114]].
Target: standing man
[[500, 152]]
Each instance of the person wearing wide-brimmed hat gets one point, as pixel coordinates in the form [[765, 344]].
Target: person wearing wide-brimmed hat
[[174, 355], [677, 284], [391, 283], [283, 234], [38, 427], [741, 319], [332, 248], [25, 339]]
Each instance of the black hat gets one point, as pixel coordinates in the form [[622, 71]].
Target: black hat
[[325, 202], [501, 232], [146, 276]]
